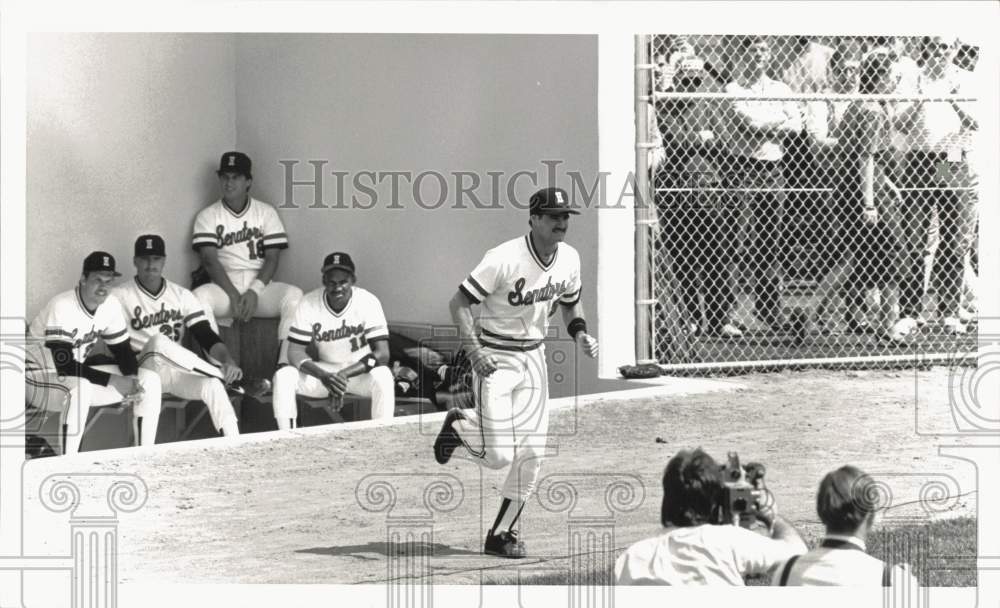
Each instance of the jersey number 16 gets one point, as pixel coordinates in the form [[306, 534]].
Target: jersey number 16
[[256, 247]]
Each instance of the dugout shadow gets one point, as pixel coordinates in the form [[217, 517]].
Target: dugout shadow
[[366, 550]]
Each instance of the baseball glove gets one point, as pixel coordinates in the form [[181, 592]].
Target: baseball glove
[[336, 384], [646, 370]]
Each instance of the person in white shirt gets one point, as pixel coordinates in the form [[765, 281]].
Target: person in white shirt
[[754, 141], [846, 504], [936, 147], [694, 549]]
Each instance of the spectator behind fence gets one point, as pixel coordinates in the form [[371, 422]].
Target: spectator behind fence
[[694, 549], [848, 136], [807, 72], [867, 201], [846, 504], [754, 140], [804, 205], [934, 151], [696, 226]]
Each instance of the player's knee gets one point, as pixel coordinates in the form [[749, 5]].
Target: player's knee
[[498, 458], [382, 377], [286, 375], [150, 381], [291, 300]]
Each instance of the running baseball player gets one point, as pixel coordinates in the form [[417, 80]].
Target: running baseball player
[[346, 325], [240, 239], [517, 285], [59, 375], [158, 313]]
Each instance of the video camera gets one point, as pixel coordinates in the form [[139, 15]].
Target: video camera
[[744, 494]]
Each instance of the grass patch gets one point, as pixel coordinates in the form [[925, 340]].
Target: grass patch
[[941, 554]]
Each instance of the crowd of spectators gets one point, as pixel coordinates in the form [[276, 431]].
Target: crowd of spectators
[[882, 191]]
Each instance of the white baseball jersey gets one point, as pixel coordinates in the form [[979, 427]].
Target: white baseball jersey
[[341, 338], [519, 293], [65, 319], [169, 311], [242, 237]]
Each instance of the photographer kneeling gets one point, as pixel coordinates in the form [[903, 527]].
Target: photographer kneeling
[[846, 505], [696, 548]]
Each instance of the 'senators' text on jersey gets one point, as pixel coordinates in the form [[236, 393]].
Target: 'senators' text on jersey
[[519, 292], [240, 237]]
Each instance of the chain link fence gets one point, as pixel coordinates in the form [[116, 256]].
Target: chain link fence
[[814, 199]]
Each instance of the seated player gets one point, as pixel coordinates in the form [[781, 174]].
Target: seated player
[[348, 328], [159, 312], [240, 239], [60, 377]]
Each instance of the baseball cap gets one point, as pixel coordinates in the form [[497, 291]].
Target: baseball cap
[[235, 162], [150, 244], [100, 261], [338, 260], [550, 201]]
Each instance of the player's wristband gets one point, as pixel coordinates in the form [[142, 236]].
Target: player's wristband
[[257, 286], [576, 326], [303, 362], [370, 362]]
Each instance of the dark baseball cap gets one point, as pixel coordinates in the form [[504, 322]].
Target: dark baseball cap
[[150, 244], [550, 201], [338, 260], [235, 162], [100, 261]]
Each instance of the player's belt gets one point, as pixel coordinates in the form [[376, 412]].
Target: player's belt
[[501, 342]]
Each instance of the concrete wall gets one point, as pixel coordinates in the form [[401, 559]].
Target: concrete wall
[[123, 130], [413, 103]]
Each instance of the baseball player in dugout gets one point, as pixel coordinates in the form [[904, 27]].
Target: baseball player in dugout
[[518, 285], [60, 376], [240, 239], [158, 313], [346, 326]]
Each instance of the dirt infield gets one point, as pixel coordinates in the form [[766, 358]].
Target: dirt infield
[[319, 505]]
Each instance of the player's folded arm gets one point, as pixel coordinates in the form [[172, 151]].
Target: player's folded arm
[[67, 365], [380, 349], [203, 334]]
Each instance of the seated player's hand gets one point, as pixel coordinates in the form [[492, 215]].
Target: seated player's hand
[[588, 343], [231, 372], [236, 305], [336, 383], [483, 362], [128, 386], [249, 304]]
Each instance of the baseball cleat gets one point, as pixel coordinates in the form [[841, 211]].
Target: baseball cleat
[[505, 544], [447, 439]]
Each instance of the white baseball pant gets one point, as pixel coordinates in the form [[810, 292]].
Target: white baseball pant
[[288, 382], [276, 300], [511, 419], [73, 397], [188, 376]]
